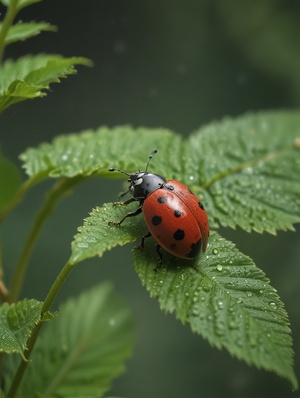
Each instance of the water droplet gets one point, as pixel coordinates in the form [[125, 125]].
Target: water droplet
[[195, 311], [239, 300], [249, 294], [191, 178], [219, 267], [64, 157], [220, 304], [220, 329], [215, 251], [206, 287], [273, 305], [232, 325]]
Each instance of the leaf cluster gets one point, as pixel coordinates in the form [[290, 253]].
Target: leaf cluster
[[30, 76], [245, 171]]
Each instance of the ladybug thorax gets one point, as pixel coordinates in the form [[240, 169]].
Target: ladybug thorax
[[143, 184]]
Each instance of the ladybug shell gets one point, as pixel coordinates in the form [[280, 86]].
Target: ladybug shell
[[177, 220]]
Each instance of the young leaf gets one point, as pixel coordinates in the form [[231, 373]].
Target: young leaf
[[248, 170], [30, 76], [10, 180], [25, 30], [17, 322], [224, 297], [80, 352]]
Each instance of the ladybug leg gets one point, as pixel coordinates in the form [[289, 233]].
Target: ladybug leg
[[160, 260], [130, 214], [125, 203], [141, 245]]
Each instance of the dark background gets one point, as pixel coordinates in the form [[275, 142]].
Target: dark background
[[174, 64]]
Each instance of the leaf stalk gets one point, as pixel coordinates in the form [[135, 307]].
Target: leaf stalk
[[59, 189], [61, 278], [7, 22]]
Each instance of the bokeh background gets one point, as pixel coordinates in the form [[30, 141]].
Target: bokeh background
[[158, 63]]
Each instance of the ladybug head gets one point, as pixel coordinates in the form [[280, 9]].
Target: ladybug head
[[142, 183]]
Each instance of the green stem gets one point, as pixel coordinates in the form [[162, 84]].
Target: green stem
[[19, 196], [7, 22], [56, 193], [63, 275]]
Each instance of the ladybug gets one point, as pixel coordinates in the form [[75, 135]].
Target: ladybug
[[174, 215]]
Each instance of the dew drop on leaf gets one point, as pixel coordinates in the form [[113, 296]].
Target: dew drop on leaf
[[195, 311], [273, 305], [220, 329], [232, 325], [220, 304]]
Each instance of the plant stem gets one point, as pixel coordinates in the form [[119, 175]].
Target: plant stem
[[7, 22], [63, 275], [56, 193], [19, 196], [3, 289]]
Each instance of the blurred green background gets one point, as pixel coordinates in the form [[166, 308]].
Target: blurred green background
[[174, 64]]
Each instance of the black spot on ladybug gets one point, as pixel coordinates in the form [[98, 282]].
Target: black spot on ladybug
[[201, 205], [156, 220], [162, 199], [177, 213], [169, 187], [195, 249], [179, 234]]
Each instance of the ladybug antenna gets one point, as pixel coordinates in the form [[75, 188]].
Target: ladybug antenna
[[121, 171], [149, 159]]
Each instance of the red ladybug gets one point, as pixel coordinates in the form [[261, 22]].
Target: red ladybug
[[174, 215]]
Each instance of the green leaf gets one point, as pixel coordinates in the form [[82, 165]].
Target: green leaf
[[248, 170], [17, 322], [10, 181], [80, 352], [225, 298], [25, 30], [96, 236], [93, 152], [30, 76], [245, 170]]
